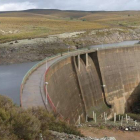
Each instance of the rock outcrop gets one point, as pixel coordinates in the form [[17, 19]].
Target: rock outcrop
[[64, 136]]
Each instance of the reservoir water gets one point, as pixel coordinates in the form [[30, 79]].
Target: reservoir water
[[11, 75], [124, 43]]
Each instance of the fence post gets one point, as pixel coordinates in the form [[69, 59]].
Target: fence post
[[93, 115], [79, 120], [86, 118], [114, 117], [79, 62], [119, 117], [135, 123], [126, 119], [122, 121]]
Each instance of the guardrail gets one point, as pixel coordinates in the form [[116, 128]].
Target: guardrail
[[62, 58], [37, 66], [31, 71]]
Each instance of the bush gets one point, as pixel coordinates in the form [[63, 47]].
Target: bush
[[5, 133], [84, 20], [17, 123], [48, 121], [4, 116], [44, 117], [61, 126], [26, 126], [5, 103]]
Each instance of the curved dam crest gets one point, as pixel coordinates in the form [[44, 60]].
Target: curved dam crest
[[100, 81], [8, 72]]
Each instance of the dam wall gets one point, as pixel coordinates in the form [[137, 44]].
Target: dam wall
[[64, 91], [100, 81], [91, 84], [120, 70]]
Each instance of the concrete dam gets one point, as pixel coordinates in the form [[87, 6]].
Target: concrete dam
[[104, 80], [101, 81]]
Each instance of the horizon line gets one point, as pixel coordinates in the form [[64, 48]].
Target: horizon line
[[69, 10]]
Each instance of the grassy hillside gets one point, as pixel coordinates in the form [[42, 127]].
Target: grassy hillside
[[41, 23], [12, 28], [126, 18]]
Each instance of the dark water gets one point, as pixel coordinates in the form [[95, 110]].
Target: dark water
[[124, 43], [11, 75]]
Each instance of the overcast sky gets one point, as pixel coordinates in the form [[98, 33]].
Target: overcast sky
[[88, 5]]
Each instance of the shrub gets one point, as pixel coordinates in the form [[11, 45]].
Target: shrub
[[48, 121], [43, 116], [26, 126], [5, 133], [17, 123], [84, 20], [61, 126], [5, 102], [4, 116]]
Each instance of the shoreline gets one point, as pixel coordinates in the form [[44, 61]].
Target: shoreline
[[31, 50]]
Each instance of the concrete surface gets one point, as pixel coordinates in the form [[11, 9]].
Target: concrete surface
[[109, 83], [33, 90]]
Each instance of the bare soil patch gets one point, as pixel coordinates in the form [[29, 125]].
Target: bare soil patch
[[119, 135]]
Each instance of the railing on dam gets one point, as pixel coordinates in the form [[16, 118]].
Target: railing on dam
[[53, 68], [49, 74], [65, 56], [53, 57], [43, 62], [31, 71]]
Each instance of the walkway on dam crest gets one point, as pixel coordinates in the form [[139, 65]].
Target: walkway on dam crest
[[33, 94], [33, 91]]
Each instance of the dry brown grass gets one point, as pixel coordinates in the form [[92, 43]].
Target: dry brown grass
[[25, 27], [128, 18], [20, 25]]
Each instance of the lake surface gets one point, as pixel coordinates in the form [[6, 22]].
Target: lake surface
[[11, 75], [124, 43]]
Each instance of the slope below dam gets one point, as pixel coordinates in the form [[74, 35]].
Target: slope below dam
[[104, 80]]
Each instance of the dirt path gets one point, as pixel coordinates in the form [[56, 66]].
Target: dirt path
[[119, 135]]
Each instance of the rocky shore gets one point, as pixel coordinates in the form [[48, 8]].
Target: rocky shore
[[28, 50]]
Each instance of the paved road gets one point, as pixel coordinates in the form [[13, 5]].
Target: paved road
[[33, 90]]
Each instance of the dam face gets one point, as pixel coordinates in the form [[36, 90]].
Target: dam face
[[100, 81]]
